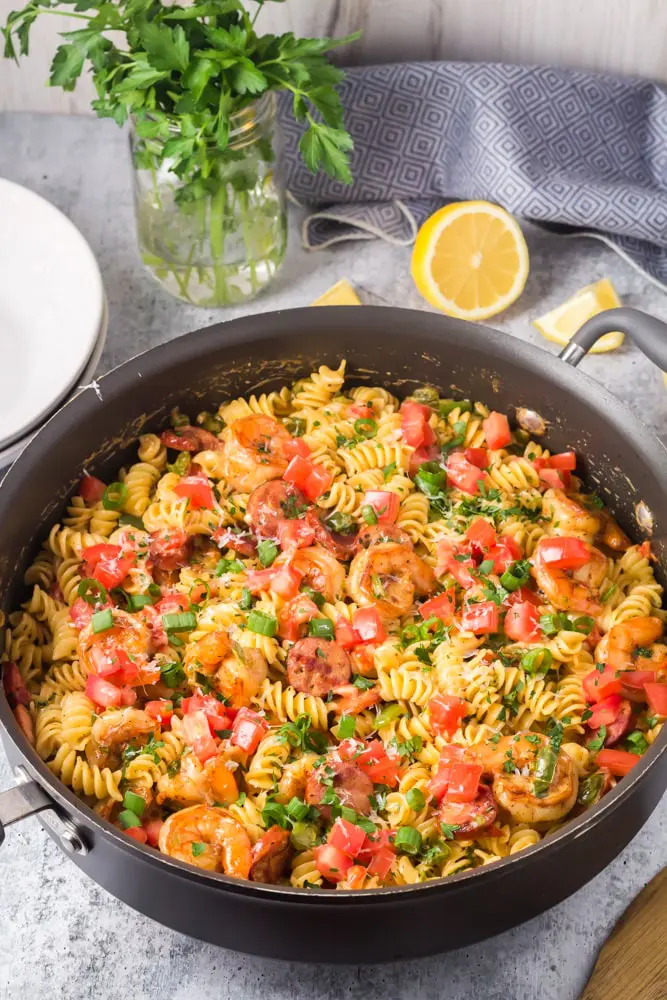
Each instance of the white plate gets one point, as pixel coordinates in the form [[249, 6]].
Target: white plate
[[51, 307], [11, 453]]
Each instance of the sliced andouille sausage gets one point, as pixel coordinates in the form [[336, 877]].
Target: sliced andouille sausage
[[242, 542], [469, 818], [349, 783], [377, 534], [270, 855], [170, 549], [621, 725], [272, 503], [316, 666], [192, 439], [342, 545]]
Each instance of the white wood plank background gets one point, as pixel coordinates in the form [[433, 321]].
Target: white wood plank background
[[626, 36]]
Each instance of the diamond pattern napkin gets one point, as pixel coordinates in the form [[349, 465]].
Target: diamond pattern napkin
[[581, 151]]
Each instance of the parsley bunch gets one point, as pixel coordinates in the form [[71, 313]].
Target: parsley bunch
[[183, 72]]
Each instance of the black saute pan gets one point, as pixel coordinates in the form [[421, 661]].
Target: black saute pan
[[396, 348]]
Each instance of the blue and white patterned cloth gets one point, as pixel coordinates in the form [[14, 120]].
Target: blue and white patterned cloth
[[551, 145]]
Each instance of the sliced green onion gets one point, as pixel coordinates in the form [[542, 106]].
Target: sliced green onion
[[206, 595], [296, 426], [229, 566], [388, 470], [342, 524], [180, 621], [430, 479], [197, 848], [316, 596], [485, 567], [275, 812], [178, 418], [551, 624], [92, 592], [346, 727], [181, 464], [267, 551], [389, 713], [115, 496], [637, 743], [516, 575], [129, 520], [415, 799], [135, 602], [172, 674], [369, 515], [262, 623], [590, 789], [128, 819], [134, 802], [537, 661], [102, 620], [247, 600], [544, 771], [427, 394], [303, 836], [608, 593], [366, 427], [321, 628], [210, 422], [408, 840], [447, 405], [584, 624], [296, 809]]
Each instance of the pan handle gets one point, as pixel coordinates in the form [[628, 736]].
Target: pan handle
[[647, 332], [27, 798]]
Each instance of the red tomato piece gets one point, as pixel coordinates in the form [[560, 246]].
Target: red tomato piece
[[286, 581], [152, 828], [521, 595], [295, 446], [563, 553], [657, 698], [137, 833], [296, 534], [504, 553], [481, 618], [375, 842], [605, 711], [198, 491], [248, 729], [441, 607], [127, 695], [103, 692], [346, 636], [522, 622], [368, 625], [161, 709], [216, 713], [81, 612], [464, 781], [91, 489], [497, 430], [456, 560], [197, 734], [107, 564], [346, 837], [415, 426], [381, 862], [384, 503], [477, 456], [378, 765], [555, 478], [360, 411], [446, 712], [172, 603], [633, 682], [462, 474], [313, 480], [439, 783], [619, 762], [564, 460], [482, 534], [421, 455], [599, 685], [169, 549], [331, 863]]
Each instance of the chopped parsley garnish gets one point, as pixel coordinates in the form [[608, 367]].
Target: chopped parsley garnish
[[363, 683], [132, 751], [301, 735], [448, 830], [597, 743]]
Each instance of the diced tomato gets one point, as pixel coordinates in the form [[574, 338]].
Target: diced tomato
[[481, 618], [172, 603], [378, 841], [260, 579], [522, 622], [361, 411], [198, 491], [169, 549], [521, 595], [161, 709], [152, 828], [248, 729], [197, 734], [384, 503], [295, 534], [441, 607], [657, 698], [381, 862], [481, 533], [107, 564], [497, 430], [439, 783], [294, 615], [286, 581], [477, 456], [91, 489], [557, 479], [449, 755], [137, 833], [564, 460], [346, 636], [421, 455], [103, 692], [346, 837], [463, 782], [563, 553], [81, 612], [633, 682], [378, 765], [619, 762], [462, 474], [456, 560], [445, 712], [415, 426], [356, 877], [504, 553], [605, 711], [331, 863], [128, 695], [217, 715], [349, 748], [599, 685], [15, 689], [368, 625], [312, 479], [295, 446]]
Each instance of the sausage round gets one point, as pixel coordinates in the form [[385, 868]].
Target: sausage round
[[470, 817], [170, 549], [342, 546], [272, 503], [316, 666], [350, 784], [270, 855], [621, 725], [192, 439], [376, 534]]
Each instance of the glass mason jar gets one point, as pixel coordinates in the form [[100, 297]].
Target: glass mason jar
[[221, 241]]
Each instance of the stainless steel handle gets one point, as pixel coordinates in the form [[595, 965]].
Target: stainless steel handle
[[648, 332], [27, 798]]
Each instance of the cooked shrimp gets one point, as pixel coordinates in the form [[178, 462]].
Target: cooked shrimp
[[209, 838], [532, 759], [320, 569], [237, 672], [570, 517], [388, 576], [122, 726], [293, 778], [572, 590], [195, 783], [206, 654], [253, 452], [126, 645], [633, 645]]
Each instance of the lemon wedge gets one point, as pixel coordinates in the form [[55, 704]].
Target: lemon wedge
[[562, 323], [340, 294], [470, 260]]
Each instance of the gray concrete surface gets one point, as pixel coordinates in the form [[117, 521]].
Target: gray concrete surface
[[62, 937]]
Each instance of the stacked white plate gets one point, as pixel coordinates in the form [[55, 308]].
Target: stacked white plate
[[53, 314]]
